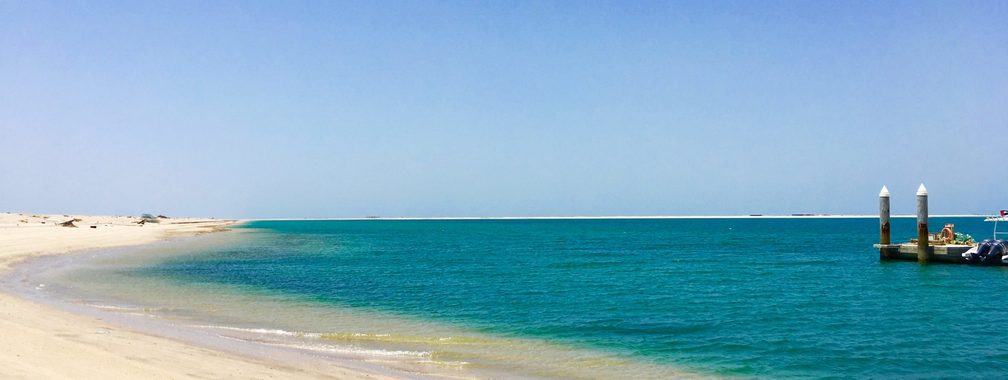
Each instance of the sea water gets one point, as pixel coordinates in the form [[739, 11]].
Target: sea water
[[644, 298]]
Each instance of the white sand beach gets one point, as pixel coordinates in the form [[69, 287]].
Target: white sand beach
[[42, 342]]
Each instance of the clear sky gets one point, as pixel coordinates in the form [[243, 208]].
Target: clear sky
[[479, 108]]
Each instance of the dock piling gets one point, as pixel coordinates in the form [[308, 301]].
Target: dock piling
[[884, 235], [922, 225], [919, 250]]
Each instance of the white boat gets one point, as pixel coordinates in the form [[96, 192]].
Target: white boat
[[996, 246]]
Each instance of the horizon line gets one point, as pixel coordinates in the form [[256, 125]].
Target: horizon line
[[751, 216]]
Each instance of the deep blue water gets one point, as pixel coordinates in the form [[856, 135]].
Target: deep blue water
[[747, 297]]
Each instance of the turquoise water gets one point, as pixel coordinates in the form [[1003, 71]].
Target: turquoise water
[[728, 297]]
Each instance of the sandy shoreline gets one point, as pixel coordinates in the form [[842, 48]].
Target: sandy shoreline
[[43, 342]]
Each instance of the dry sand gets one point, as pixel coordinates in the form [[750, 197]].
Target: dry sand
[[42, 342]]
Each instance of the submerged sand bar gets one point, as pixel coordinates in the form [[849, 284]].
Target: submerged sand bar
[[43, 342]]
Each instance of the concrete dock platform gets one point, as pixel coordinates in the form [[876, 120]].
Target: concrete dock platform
[[948, 253]]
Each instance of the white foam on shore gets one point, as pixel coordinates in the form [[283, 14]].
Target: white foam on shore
[[316, 347], [138, 311], [349, 350], [114, 307], [263, 331]]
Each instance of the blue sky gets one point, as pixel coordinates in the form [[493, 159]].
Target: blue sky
[[329, 109]]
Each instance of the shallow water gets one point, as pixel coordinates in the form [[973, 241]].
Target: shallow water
[[761, 298]]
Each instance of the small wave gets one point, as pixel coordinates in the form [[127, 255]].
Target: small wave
[[334, 336], [138, 311], [262, 331], [349, 350], [430, 340], [113, 307], [341, 349]]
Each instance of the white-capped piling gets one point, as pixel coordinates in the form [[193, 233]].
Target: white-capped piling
[[883, 215], [922, 225], [920, 249]]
